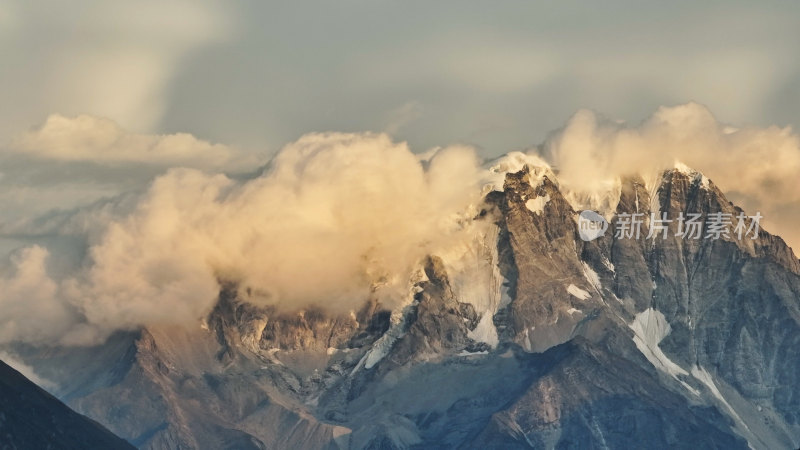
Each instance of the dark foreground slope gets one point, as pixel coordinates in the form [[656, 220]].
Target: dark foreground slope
[[30, 418]]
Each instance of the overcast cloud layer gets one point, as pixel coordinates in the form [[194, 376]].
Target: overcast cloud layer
[[499, 75]]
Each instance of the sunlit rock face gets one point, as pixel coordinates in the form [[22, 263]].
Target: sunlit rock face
[[527, 337]]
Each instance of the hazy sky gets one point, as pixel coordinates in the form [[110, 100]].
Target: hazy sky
[[499, 75]]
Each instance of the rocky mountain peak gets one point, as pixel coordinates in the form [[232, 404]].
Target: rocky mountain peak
[[527, 336]]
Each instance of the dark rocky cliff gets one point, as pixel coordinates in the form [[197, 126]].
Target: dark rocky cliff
[[30, 418]]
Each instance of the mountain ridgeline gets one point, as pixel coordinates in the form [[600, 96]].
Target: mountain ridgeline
[[30, 418], [530, 338]]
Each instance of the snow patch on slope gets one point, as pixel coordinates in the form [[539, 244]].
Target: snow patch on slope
[[384, 344], [381, 347], [694, 175], [485, 331], [650, 327], [592, 277], [578, 293], [652, 183], [466, 353], [609, 265], [536, 205], [704, 377], [476, 279]]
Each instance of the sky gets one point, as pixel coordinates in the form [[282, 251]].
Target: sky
[[497, 75], [150, 149]]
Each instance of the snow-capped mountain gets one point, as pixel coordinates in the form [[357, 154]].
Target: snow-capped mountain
[[525, 336]]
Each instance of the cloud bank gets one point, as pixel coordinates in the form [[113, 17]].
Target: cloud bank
[[756, 167], [102, 141], [333, 219], [69, 162], [32, 309]]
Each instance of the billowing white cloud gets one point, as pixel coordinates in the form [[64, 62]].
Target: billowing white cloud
[[70, 162], [336, 217], [32, 308], [333, 219], [755, 166], [102, 141]]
